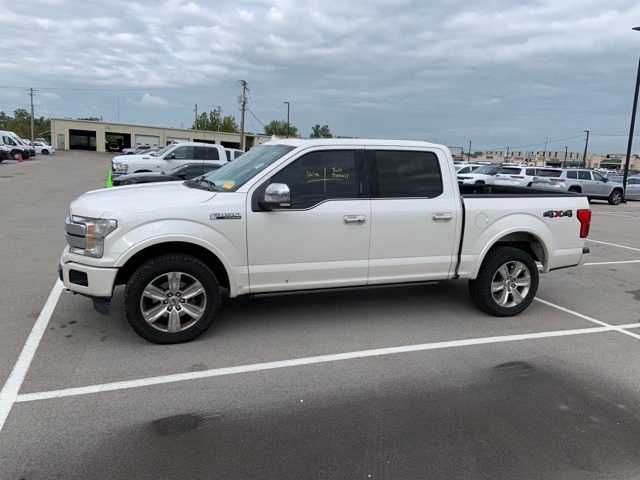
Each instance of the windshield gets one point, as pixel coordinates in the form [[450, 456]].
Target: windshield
[[487, 170], [233, 175], [163, 150]]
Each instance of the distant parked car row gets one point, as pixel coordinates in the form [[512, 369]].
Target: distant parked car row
[[176, 161], [12, 146], [590, 182]]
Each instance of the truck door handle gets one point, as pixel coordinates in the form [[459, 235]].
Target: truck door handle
[[354, 219], [444, 216]]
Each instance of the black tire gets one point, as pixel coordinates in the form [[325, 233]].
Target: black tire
[[45, 152], [480, 182], [575, 190], [616, 197], [480, 288], [157, 266]]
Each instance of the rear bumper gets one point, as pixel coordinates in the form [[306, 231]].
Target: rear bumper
[[86, 280]]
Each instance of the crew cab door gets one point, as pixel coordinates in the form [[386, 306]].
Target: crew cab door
[[601, 186], [322, 239], [179, 156], [414, 216]]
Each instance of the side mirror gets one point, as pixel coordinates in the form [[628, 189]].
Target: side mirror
[[605, 179], [276, 195], [171, 156]]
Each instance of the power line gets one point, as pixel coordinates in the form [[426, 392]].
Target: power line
[[256, 117]]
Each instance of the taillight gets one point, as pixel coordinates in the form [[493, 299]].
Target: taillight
[[584, 217]]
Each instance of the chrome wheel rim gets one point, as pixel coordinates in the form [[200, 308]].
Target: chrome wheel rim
[[173, 302], [511, 284]]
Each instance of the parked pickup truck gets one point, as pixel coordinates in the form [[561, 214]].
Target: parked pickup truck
[[171, 156], [314, 214]]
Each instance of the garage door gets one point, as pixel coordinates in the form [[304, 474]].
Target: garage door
[[153, 140]]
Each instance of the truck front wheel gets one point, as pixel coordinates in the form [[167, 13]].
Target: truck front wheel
[[507, 282], [172, 298]]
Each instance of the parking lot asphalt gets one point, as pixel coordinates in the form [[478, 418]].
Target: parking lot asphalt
[[402, 382]]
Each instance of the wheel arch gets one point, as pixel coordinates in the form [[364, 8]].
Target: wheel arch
[[184, 247], [525, 240]]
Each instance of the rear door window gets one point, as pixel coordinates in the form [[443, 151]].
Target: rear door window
[[572, 174], [531, 172], [200, 153], [584, 175], [541, 172], [212, 153], [406, 174], [510, 170]]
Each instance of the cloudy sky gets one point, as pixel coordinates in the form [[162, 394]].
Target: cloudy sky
[[498, 72]]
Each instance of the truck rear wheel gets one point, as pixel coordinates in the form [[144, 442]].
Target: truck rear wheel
[[172, 299], [507, 282]]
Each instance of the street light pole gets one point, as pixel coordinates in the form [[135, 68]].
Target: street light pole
[[288, 128], [631, 129], [469, 150]]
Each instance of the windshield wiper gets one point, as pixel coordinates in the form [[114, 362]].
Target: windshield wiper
[[202, 183]]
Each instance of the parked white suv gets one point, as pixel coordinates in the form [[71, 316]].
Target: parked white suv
[[523, 176], [168, 158], [313, 214], [484, 175]]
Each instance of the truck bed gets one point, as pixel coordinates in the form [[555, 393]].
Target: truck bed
[[471, 191]]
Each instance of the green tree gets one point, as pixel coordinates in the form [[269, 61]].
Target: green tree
[[323, 131], [20, 123], [279, 128], [214, 121]]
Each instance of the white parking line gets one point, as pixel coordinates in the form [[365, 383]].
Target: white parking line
[[618, 328], [614, 244], [609, 263], [298, 362], [11, 388]]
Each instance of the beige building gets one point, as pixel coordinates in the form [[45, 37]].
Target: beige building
[[67, 134]]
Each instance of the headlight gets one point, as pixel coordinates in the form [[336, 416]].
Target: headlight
[[119, 167], [95, 230]]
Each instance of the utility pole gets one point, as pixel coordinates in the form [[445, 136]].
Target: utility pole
[[195, 120], [31, 96], [219, 110], [631, 128], [544, 155], [469, 150], [243, 107], [586, 146], [288, 128], [506, 158], [566, 151]]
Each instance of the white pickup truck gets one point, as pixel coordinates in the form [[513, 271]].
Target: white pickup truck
[[314, 214], [171, 156]]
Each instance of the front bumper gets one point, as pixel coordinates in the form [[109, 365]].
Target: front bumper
[[87, 280]]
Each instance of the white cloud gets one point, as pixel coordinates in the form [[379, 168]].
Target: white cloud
[[153, 100], [424, 61]]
